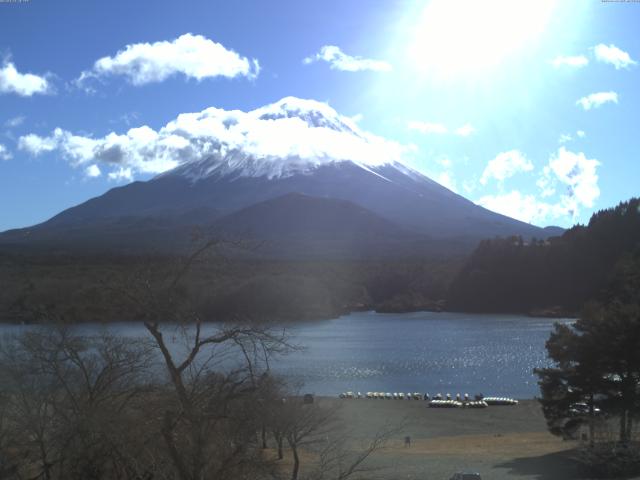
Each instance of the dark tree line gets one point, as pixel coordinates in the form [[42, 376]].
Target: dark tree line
[[286, 290], [556, 276]]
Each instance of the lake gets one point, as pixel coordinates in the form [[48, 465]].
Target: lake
[[416, 352]]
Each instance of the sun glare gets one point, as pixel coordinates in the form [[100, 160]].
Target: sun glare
[[457, 37]]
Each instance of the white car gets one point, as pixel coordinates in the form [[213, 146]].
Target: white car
[[466, 476], [582, 409]]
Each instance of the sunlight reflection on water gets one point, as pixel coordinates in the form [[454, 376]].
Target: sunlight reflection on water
[[425, 352], [417, 352]]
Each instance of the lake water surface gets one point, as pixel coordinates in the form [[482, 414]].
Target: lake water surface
[[423, 352], [417, 352]]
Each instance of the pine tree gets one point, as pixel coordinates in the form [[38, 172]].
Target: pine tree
[[597, 360]]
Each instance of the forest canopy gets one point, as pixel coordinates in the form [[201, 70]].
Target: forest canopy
[[554, 276]]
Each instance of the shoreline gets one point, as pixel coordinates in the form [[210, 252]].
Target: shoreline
[[16, 322]]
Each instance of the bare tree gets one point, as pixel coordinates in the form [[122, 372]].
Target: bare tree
[[305, 425], [69, 402], [213, 370], [340, 461], [318, 430]]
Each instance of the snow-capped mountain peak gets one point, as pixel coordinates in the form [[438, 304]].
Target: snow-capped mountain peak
[[230, 160], [314, 113], [288, 137]]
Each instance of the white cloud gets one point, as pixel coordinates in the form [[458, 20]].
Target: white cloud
[[4, 153], [567, 137], [527, 207], [140, 148], [465, 130], [577, 176], [272, 140], [37, 145], [441, 170], [577, 173], [92, 171], [445, 162], [505, 165], [128, 118], [23, 84], [546, 183], [357, 118], [469, 185], [427, 127], [595, 100], [191, 55], [338, 60], [446, 180], [613, 55], [121, 175], [576, 61], [520, 206], [15, 121], [572, 171], [564, 138]]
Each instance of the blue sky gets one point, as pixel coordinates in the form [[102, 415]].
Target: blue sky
[[528, 108]]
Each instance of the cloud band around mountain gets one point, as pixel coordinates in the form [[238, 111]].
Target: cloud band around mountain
[[273, 140]]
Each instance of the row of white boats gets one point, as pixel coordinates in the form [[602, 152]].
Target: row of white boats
[[437, 401]]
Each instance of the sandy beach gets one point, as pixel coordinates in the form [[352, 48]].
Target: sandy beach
[[500, 442]]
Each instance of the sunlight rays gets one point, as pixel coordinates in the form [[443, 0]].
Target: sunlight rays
[[453, 38]]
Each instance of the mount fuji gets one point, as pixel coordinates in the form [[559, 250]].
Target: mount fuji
[[294, 172]]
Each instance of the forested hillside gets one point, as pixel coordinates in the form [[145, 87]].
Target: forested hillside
[[554, 276], [89, 288], [541, 277]]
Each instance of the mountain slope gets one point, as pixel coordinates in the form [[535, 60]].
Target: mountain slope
[[300, 226], [300, 216], [237, 159]]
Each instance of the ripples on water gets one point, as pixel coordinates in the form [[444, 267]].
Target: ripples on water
[[423, 352]]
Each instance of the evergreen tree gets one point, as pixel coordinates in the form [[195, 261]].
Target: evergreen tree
[[557, 276], [597, 360]]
